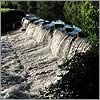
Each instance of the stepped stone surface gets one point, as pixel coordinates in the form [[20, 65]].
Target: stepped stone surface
[[30, 60]]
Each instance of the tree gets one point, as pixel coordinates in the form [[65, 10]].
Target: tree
[[22, 5], [72, 11], [84, 15], [51, 10], [14, 5], [42, 9], [31, 7], [6, 4]]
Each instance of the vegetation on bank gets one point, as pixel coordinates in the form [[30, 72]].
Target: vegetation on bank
[[6, 9], [10, 19]]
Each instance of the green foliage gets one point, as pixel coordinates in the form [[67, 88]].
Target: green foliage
[[14, 5], [90, 19], [31, 7], [72, 11], [42, 9], [51, 10], [90, 15], [9, 4], [22, 5], [84, 15], [6, 9], [6, 4]]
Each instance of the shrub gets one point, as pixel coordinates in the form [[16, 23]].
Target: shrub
[[84, 15]]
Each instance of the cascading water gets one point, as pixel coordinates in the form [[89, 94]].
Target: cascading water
[[56, 41], [30, 30], [65, 47], [38, 52]]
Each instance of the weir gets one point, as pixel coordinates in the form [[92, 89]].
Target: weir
[[34, 56]]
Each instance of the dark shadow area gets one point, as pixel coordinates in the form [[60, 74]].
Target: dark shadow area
[[11, 20]]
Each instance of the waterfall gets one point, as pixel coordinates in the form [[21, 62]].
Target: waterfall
[[60, 44], [56, 41], [30, 30], [39, 51], [65, 47], [25, 23]]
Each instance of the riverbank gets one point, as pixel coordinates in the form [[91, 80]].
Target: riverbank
[[10, 19]]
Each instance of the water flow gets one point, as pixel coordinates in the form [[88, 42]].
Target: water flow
[[38, 52], [56, 41], [61, 45]]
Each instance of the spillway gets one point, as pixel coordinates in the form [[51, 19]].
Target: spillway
[[30, 59]]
